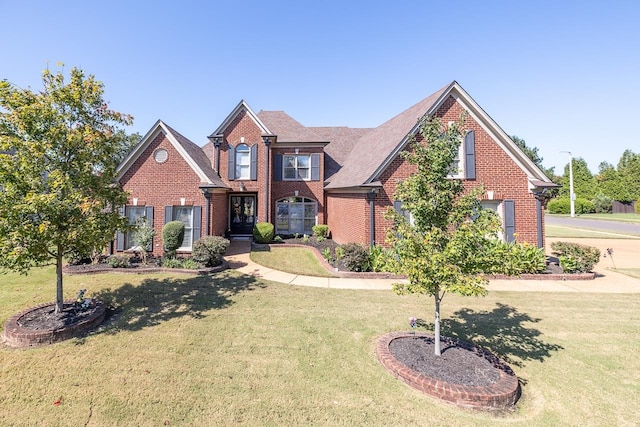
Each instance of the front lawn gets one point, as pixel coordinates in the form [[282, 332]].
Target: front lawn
[[230, 349], [296, 260]]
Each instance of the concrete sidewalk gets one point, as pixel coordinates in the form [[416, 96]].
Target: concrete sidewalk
[[607, 282]]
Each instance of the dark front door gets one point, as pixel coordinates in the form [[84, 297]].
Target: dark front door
[[242, 215]]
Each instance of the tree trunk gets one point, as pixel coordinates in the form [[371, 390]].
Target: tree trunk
[[59, 293], [437, 325]]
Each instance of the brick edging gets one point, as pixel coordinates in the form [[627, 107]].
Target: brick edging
[[15, 335], [502, 394], [144, 270]]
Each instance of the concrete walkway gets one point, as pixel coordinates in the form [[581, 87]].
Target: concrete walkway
[[607, 282]]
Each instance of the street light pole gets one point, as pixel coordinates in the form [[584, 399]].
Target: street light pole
[[572, 196]]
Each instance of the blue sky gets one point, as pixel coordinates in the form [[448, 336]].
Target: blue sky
[[563, 75]]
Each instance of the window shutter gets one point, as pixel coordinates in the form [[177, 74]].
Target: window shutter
[[148, 212], [509, 220], [277, 167], [197, 220], [397, 205], [254, 162], [470, 155], [315, 167], [120, 234], [168, 214], [232, 163]]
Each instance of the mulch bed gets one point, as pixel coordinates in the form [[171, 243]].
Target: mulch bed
[[46, 319], [457, 364]]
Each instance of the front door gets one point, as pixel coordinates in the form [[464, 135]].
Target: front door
[[242, 214]]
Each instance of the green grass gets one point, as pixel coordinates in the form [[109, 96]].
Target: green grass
[[291, 260], [231, 349], [567, 232], [621, 217], [632, 272]]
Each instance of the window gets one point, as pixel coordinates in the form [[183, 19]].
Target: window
[[457, 165], [134, 213], [185, 214], [408, 216], [243, 162], [296, 215], [297, 167]]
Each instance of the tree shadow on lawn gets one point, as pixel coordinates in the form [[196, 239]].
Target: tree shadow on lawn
[[502, 331], [153, 301]]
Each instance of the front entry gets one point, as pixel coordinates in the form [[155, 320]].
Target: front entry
[[242, 214]]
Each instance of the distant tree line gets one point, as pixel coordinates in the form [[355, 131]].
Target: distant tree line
[[594, 193]]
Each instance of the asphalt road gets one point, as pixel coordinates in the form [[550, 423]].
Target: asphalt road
[[593, 224]]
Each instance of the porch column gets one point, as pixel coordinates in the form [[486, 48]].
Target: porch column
[[371, 197], [207, 216], [267, 139]]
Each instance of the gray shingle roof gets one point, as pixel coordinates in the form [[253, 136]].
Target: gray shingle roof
[[375, 147], [342, 140], [287, 128]]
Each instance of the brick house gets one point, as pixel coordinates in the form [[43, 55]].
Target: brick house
[[266, 166]]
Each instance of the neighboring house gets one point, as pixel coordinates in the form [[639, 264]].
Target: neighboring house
[[269, 167]]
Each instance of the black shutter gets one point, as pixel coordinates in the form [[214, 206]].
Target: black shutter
[[120, 234], [277, 167], [509, 220], [168, 214], [254, 162], [232, 163], [148, 212], [315, 167], [470, 155], [397, 205], [197, 220]]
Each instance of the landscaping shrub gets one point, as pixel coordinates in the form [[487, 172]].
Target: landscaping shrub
[[263, 232], [563, 206], [118, 261], [172, 263], [574, 257], [515, 258], [321, 231], [378, 258], [143, 237], [637, 206], [208, 250], [190, 264], [172, 236], [355, 257], [602, 203]]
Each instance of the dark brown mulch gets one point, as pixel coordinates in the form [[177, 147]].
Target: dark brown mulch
[[46, 319], [459, 363]]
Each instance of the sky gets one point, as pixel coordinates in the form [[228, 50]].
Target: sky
[[562, 75]]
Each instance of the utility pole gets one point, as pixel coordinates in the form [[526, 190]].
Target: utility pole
[[572, 196]]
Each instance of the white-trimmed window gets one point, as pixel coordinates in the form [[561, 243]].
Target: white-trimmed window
[[296, 167], [296, 215], [243, 162], [185, 214], [134, 213], [496, 206]]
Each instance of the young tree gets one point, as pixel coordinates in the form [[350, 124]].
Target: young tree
[[584, 184], [58, 152], [441, 248], [532, 153]]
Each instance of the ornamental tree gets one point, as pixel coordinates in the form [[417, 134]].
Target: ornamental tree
[[58, 158], [440, 240]]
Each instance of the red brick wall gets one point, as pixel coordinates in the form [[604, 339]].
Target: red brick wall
[[162, 184], [348, 217]]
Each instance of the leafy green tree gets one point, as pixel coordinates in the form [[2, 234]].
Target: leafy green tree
[[629, 175], [584, 184], [442, 248], [608, 181], [127, 143], [58, 158], [532, 153]]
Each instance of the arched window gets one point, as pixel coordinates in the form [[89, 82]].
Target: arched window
[[296, 215], [243, 162]]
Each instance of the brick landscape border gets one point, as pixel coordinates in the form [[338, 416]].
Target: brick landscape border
[[16, 336], [502, 394]]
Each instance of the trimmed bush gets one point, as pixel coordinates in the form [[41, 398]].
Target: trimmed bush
[[355, 257], [172, 236], [576, 258], [321, 230], [118, 261], [264, 232], [602, 203], [563, 206], [208, 250]]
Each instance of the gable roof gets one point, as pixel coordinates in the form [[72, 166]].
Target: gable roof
[[190, 152], [241, 107], [287, 128], [377, 149], [343, 139]]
